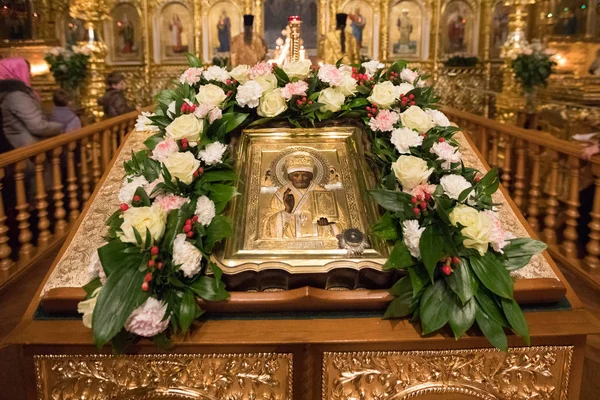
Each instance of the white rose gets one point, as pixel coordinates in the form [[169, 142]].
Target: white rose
[[271, 104], [267, 81], [186, 255], [129, 187], [415, 118], [404, 88], [212, 153], [332, 99], [411, 171], [437, 117], [478, 234], [408, 75], [187, 127], [142, 218], [384, 94], [240, 73], [148, 319], [463, 215], [454, 185], [372, 66], [249, 94], [182, 166], [404, 139], [86, 308], [216, 73], [411, 236], [348, 86], [297, 69], [205, 210], [211, 94]]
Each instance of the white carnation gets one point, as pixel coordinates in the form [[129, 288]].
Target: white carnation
[[129, 187], [248, 94], [148, 319], [212, 153], [447, 153], [437, 117], [372, 66], [454, 185], [205, 210], [409, 75], [411, 236], [186, 255], [216, 73], [143, 123], [498, 236], [404, 139], [404, 88]]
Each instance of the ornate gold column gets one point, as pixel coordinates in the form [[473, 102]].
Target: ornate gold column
[[294, 22], [93, 12]]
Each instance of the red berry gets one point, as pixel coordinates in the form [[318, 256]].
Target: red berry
[[229, 93], [188, 221], [190, 234], [412, 103], [136, 198], [455, 260], [310, 102], [477, 178], [423, 205], [148, 277], [370, 115], [187, 228], [195, 218], [447, 270], [411, 96], [145, 286], [154, 250], [414, 200], [402, 96], [441, 140], [427, 197], [151, 263], [123, 207], [304, 99], [200, 171], [159, 265], [416, 211], [299, 102]]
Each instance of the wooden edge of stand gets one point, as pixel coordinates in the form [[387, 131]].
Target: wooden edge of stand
[[546, 290]]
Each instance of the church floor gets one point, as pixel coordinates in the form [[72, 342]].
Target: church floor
[[14, 301]]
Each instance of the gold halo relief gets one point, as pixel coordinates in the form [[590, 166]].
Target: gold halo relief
[[278, 165]]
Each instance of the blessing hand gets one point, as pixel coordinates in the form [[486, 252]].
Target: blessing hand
[[288, 201], [324, 222]]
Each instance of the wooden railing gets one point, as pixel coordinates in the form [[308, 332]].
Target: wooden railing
[[548, 180], [43, 188]]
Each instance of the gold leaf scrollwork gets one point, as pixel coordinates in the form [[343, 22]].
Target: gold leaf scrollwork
[[524, 373], [260, 376]]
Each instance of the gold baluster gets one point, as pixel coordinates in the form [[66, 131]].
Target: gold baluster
[[72, 182], [534, 192], [105, 149], [85, 172], [551, 200], [569, 248], [114, 139], [593, 246], [42, 200], [22, 206], [483, 140], [493, 159], [507, 164], [60, 224], [96, 169], [5, 250], [519, 192]]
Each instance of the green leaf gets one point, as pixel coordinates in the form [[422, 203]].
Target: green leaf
[[522, 247], [515, 317], [462, 282], [404, 304], [175, 222], [219, 229], [91, 286], [221, 127], [462, 317], [401, 287], [153, 140], [436, 306], [121, 294], [218, 176], [144, 199], [492, 330], [386, 228], [399, 258], [208, 288], [187, 310], [390, 199], [358, 102], [115, 255], [221, 194], [492, 274], [418, 279], [487, 302], [193, 61], [431, 246]]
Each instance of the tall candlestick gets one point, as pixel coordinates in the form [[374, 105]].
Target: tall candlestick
[[294, 22]]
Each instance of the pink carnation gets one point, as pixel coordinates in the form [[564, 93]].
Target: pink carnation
[[191, 76], [148, 319], [498, 237], [260, 69], [149, 188], [447, 153], [164, 149], [384, 121], [294, 89], [214, 114], [330, 74], [420, 190], [206, 110], [171, 202]]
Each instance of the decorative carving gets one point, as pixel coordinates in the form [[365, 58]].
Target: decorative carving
[[259, 376], [522, 373]]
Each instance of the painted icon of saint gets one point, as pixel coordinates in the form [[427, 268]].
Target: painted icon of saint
[[358, 26], [224, 32], [176, 28]]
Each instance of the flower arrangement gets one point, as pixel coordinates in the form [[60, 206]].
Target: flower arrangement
[[532, 65], [69, 66], [439, 216]]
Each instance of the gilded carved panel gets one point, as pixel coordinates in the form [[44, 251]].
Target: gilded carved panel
[[259, 376], [523, 373]]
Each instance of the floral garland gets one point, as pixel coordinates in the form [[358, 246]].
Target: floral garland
[[532, 64], [439, 216]]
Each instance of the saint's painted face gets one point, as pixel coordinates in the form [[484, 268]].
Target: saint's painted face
[[300, 179]]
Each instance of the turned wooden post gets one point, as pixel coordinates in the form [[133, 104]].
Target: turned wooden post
[[507, 164], [105, 150], [483, 140], [41, 198], [534, 191], [593, 247], [84, 170], [96, 169], [60, 224], [569, 247], [494, 150], [551, 200], [72, 182], [25, 236], [519, 191], [114, 138], [5, 250]]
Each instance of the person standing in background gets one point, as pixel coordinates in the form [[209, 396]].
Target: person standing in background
[[63, 113], [224, 32], [247, 47], [339, 44], [114, 101]]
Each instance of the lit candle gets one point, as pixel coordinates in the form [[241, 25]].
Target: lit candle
[[294, 18], [302, 53]]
